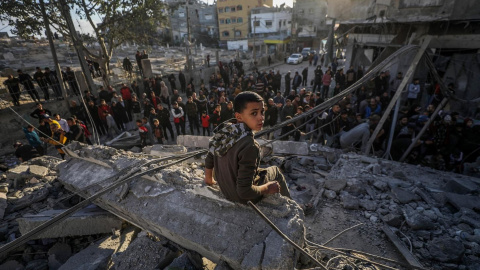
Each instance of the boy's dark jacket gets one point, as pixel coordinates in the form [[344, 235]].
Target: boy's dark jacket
[[235, 156]]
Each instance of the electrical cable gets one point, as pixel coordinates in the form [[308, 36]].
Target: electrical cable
[[342, 232], [275, 228]]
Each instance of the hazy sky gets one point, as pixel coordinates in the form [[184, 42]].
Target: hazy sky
[[84, 27]]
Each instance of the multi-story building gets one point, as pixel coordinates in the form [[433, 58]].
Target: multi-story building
[[207, 16], [271, 26], [370, 30], [309, 23], [233, 16]]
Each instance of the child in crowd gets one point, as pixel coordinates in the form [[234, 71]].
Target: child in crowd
[[205, 123], [143, 132], [157, 131]]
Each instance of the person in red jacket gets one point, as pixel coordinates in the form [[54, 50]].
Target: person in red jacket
[[143, 132], [205, 123]]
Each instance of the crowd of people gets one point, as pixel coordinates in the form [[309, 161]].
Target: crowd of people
[[156, 107]]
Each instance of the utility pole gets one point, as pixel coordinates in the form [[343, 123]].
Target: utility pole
[[189, 42], [54, 52], [254, 41], [78, 46]]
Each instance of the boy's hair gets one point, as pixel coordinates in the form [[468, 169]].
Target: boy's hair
[[242, 99], [156, 121], [139, 121], [144, 118], [204, 112]]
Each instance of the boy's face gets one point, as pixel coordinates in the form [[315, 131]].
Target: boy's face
[[139, 124], [253, 115]]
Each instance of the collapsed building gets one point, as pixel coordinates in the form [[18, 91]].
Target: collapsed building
[[369, 31], [372, 208]]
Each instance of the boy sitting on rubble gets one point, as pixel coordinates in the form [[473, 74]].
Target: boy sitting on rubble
[[235, 155]]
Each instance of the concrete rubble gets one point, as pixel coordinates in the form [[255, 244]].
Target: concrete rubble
[[88, 221], [410, 214], [170, 205]]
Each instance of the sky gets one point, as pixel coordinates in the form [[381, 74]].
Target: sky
[[84, 26]]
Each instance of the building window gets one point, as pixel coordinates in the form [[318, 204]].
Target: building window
[[238, 33], [279, 23], [227, 9], [232, 9], [284, 22], [220, 10], [222, 21], [234, 20], [225, 34], [239, 20], [301, 11], [181, 14], [208, 17], [268, 23], [239, 7], [311, 11], [228, 21], [256, 23]]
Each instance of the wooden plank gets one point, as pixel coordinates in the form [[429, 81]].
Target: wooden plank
[[401, 247]]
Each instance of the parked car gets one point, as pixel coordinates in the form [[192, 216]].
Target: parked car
[[306, 52], [295, 58]]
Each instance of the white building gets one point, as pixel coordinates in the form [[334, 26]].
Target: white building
[[266, 20]]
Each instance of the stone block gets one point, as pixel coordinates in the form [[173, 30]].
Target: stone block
[[167, 150], [418, 221], [335, 184], [193, 141], [290, 148], [144, 253], [350, 202], [446, 250], [404, 196], [460, 186], [147, 68], [95, 256], [87, 221], [460, 201], [19, 172], [38, 171], [187, 219], [368, 205], [393, 220]]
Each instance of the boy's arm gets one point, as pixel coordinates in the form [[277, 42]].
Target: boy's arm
[[247, 163]]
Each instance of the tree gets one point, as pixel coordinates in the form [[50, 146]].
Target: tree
[[121, 21]]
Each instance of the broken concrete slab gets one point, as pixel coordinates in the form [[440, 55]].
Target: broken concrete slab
[[176, 214], [404, 196], [144, 253], [38, 171], [460, 201], [335, 184], [39, 193], [19, 172], [87, 221], [167, 150], [193, 141], [94, 257], [446, 250], [350, 202], [461, 186], [279, 147], [58, 254]]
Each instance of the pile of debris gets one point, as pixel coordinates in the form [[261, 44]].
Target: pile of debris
[[431, 217], [167, 218]]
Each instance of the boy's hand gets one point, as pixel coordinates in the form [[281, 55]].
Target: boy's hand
[[272, 188]]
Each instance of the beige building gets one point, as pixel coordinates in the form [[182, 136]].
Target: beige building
[[233, 18]]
